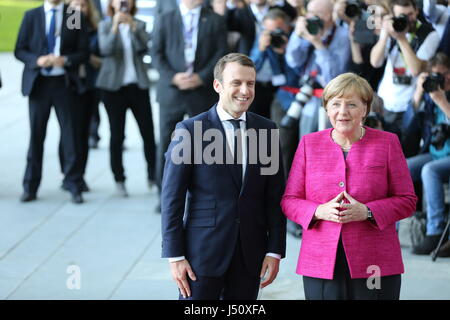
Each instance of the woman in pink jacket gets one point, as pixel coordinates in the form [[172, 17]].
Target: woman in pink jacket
[[347, 187]]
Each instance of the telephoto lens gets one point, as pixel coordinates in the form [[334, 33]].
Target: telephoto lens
[[433, 82], [400, 23], [290, 120], [352, 9], [314, 25]]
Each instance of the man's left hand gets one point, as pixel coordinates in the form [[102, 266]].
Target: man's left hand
[[269, 270], [438, 96], [59, 61]]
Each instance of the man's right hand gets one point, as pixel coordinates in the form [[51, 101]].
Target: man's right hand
[[264, 40], [45, 61], [418, 93], [329, 211], [179, 270]]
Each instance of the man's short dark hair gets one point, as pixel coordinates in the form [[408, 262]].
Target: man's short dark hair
[[274, 14], [439, 59], [240, 58], [403, 3]]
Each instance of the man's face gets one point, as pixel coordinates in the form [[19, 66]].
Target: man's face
[[237, 88], [443, 70], [408, 11], [322, 10]]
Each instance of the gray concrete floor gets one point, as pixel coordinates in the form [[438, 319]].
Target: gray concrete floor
[[114, 242]]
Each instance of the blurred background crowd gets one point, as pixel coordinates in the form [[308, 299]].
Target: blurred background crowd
[[402, 47]]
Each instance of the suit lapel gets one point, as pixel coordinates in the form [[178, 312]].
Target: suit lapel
[[216, 123], [41, 25], [201, 34], [63, 29], [179, 30]]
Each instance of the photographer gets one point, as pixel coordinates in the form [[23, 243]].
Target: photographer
[[432, 166], [364, 30], [406, 44], [268, 56], [321, 47]]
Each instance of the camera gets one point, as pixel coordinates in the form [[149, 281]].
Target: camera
[[402, 79], [439, 135], [373, 120], [124, 6], [400, 23], [290, 120], [278, 38], [352, 9], [314, 25], [433, 82]]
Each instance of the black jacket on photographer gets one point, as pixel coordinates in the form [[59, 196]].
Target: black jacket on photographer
[[429, 116]]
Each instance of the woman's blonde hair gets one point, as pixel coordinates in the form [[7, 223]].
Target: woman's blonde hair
[[346, 85]]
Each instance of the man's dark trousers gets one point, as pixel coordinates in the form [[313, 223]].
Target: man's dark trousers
[[48, 92]]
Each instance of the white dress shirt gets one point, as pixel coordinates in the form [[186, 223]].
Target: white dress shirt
[[259, 15], [191, 20], [129, 75], [229, 133], [55, 71]]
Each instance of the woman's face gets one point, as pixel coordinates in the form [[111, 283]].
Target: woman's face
[[346, 113], [116, 4], [82, 4]]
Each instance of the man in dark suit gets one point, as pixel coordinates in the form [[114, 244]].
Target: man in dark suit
[[51, 43], [222, 226], [187, 43]]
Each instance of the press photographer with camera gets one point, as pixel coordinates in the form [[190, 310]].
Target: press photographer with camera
[[268, 55], [405, 43], [318, 47], [432, 166], [364, 23]]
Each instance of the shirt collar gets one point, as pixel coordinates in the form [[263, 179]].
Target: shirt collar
[[224, 116], [259, 15], [184, 11], [48, 7]]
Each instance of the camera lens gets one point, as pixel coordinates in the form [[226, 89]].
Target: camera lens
[[352, 9], [277, 38], [400, 23], [313, 25], [433, 82]]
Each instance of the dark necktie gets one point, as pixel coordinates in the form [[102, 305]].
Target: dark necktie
[[51, 36], [237, 155]]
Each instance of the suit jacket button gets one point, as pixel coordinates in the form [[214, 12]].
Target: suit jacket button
[[237, 220], [341, 184]]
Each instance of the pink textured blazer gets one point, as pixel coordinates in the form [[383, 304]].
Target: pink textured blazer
[[375, 173]]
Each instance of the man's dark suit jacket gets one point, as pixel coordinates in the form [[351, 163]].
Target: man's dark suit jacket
[[168, 56], [243, 21], [204, 213], [32, 43]]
